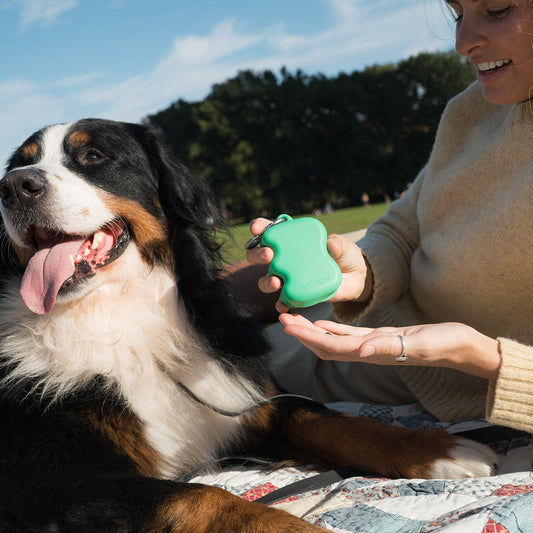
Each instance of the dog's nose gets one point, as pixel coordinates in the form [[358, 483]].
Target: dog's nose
[[22, 187]]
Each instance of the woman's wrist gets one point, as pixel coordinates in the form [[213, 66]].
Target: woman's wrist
[[480, 356]]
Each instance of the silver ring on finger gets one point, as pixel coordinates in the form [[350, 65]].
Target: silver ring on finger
[[403, 356]]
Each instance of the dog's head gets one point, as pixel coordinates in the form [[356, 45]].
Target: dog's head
[[76, 197]]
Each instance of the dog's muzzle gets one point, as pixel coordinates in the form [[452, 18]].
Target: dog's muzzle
[[22, 188]]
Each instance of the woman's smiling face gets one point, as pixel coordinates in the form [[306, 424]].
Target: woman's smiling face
[[497, 37]]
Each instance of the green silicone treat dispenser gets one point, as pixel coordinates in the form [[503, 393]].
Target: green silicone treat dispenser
[[301, 260]]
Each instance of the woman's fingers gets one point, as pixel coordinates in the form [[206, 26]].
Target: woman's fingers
[[324, 343], [330, 340], [384, 345], [299, 320], [356, 277], [258, 225]]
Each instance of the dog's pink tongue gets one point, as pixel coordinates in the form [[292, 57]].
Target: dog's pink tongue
[[46, 271]]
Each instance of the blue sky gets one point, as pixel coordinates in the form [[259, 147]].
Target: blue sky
[[124, 59]]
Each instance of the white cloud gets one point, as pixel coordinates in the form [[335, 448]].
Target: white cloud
[[81, 80], [24, 115], [345, 11], [221, 42], [42, 12], [187, 71], [14, 88], [366, 29], [193, 63]]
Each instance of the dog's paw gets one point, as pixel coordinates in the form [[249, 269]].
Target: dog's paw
[[465, 459]]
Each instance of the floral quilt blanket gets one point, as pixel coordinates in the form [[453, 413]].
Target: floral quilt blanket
[[502, 503]]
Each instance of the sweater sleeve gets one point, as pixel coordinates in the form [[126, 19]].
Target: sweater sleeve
[[388, 246], [510, 397]]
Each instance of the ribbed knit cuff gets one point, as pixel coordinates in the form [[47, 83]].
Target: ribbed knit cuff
[[510, 397]]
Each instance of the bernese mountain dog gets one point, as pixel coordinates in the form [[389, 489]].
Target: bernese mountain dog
[[125, 361]]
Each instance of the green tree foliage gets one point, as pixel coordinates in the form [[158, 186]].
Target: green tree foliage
[[290, 142]]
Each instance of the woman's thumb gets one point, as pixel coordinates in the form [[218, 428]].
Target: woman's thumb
[[345, 253]]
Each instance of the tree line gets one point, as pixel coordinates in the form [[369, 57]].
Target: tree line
[[290, 142]]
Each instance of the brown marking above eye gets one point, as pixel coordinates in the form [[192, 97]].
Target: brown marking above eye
[[79, 139], [30, 150]]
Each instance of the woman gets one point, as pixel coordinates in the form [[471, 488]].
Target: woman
[[454, 254]]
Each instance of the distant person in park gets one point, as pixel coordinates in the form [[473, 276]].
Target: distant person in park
[[441, 287]]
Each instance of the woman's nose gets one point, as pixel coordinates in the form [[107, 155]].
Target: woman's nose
[[469, 36]]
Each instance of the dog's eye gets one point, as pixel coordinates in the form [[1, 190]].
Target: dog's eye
[[91, 156]]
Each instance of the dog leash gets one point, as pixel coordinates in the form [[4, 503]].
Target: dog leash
[[486, 435], [311, 483], [490, 434], [253, 407]]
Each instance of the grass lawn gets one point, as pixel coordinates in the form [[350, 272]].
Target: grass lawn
[[341, 221]]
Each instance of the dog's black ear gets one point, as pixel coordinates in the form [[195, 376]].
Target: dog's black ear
[[194, 215]]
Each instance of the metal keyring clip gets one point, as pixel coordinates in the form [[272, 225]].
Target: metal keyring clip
[[256, 239]]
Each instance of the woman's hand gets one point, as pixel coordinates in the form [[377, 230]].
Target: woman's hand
[[449, 345], [357, 277]]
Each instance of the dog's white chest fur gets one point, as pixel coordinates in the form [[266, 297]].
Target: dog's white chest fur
[[135, 335]]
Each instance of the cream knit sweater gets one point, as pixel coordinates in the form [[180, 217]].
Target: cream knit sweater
[[459, 247]]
